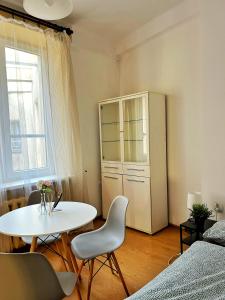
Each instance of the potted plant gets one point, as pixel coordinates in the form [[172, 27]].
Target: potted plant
[[200, 213]]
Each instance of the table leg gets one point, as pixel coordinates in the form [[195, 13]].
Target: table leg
[[33, 246], [67, 251], [181, 241]]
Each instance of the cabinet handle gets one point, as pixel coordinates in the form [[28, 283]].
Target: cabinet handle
[[135, 169], [135, 180], [111, 167], [111, 177]]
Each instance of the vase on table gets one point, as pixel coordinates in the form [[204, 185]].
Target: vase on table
[[46, 203]]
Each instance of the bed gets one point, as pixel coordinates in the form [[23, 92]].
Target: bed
[[198, 274]]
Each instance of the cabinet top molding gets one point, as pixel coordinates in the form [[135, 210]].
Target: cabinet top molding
[[129, 95], [124, 96]]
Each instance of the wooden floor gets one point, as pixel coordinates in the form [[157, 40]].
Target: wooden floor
[[141, 258]]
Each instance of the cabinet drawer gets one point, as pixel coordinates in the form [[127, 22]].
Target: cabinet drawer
[[111, 168], [136, 170]]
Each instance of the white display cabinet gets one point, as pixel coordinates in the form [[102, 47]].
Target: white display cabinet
[[133, 158]]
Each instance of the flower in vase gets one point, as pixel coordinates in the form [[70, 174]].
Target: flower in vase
[[45, 186]]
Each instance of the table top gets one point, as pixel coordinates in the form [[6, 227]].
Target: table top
[[27, 221], [190, 224]]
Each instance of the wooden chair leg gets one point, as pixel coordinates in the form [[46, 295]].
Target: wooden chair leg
[[78, 280], [33, 246], [66, 251], [73, 258], [90, 278], [78, 291], [59, 250], [120, 273], [80, 268], [110, 262]]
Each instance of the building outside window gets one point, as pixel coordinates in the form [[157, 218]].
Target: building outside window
[[25, 144]]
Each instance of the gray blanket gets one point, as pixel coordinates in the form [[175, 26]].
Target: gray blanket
[[198, 274]]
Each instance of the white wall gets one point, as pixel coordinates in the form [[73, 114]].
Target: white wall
[[182, 55], [213, 104], [169, 63], [96, 78]]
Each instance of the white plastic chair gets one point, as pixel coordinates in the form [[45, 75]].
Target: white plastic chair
[[29, 276], [105, 240]]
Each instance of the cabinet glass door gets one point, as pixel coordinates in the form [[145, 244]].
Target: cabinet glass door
[[110, 131], [135, 126]]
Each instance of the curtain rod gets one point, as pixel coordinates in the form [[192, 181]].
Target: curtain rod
[[38, 21]]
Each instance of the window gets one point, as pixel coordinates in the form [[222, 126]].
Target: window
[[15, 142], [25, 146]]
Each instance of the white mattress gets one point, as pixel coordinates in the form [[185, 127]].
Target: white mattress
[[198, 274]]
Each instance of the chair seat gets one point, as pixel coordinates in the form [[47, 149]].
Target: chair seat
[[95, 243], [67, 281], [48, 239]]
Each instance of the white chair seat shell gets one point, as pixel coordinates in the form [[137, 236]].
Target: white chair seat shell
[[29, 276], [105, 239], [67, 281], [95, 243]]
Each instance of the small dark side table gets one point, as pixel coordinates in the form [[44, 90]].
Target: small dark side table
[[194, 234]]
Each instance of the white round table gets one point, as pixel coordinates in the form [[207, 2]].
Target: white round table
[[27, 221]]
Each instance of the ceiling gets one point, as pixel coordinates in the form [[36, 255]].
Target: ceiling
[[112, 19]]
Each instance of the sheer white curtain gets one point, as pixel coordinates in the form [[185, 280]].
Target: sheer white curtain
[[64, 115], [39, 125]]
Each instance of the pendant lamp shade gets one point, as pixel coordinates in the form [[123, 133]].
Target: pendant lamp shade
[[48, 9]]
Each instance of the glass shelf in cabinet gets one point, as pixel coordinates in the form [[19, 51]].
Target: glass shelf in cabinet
[[110, 123], [133, 140], [111, 141], [134, 120]]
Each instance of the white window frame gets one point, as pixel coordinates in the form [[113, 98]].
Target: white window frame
[[9, 175]]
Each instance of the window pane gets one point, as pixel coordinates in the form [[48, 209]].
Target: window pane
[[16, 145], [26, 110], [20, 86], [14, 72], [15, 142], [28, 153], [17, 56], [25, 95], [21, 109]]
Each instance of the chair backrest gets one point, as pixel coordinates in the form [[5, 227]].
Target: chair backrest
[[117, 216], [34, 198], [28, 276]]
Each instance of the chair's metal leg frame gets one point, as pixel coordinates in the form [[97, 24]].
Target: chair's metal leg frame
[[51, 249], [43, 241], [112, 262], [105, 264]]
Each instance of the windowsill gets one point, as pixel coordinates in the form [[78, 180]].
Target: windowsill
[[22, 183]]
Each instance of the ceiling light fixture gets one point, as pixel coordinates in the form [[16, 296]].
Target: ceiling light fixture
[[48, 9]]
